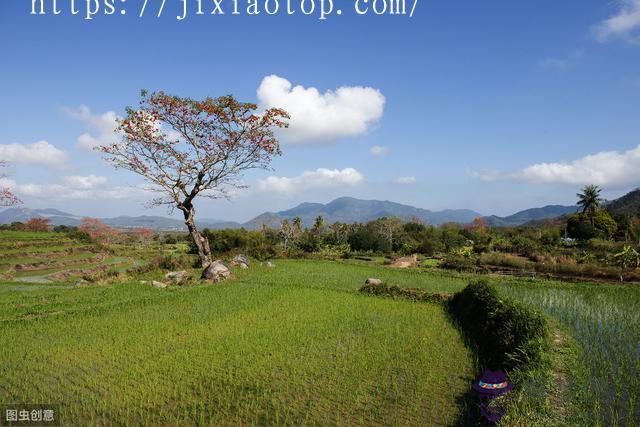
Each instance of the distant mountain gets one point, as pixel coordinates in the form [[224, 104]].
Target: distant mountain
[[25, 214], [629, 204], [344, 209], [63, 218], [350, 210], [529, 215]]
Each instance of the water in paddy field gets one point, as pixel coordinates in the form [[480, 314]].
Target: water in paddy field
[[605, 322]]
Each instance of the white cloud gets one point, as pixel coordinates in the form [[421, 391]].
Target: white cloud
[[77, 187], [406, 180], [561, 64], [38, 153], [379, 151], [84, 182], [322, 117], [622, 24], [103, 127], [610, 169], [321, 178]]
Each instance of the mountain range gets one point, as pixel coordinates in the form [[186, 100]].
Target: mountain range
[[344, 209]]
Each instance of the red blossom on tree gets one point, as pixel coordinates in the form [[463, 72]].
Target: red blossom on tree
[[187, 148], [142, 234], [479, 225], [99, 231], [7, 198], [38, 224]]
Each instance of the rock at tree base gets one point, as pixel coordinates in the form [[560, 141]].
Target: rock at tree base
[[241, 261], [373, 281], [216, 271], [177, 277], [158, 285]]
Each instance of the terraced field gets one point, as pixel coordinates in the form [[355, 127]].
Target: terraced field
[[56, 258]]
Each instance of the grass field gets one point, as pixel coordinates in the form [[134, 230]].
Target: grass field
[[270, 346], [295, 344]]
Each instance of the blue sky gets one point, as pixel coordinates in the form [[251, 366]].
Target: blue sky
[[494, 106]]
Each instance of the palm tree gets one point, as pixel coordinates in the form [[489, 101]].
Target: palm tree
[[589, 199], [318, 225], [297, 226]]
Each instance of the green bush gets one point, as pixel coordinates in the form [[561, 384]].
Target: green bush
[[505, 260], [171, 262], [79, 236], [597, 225], [410, 293], [506, 334]]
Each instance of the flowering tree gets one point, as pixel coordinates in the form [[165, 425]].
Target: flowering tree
[[7, 198], [99, 231], [187, 148], [142, 235], [479, 225], [38, 224]]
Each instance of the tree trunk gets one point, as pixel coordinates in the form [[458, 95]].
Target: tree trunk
[[204, 252]]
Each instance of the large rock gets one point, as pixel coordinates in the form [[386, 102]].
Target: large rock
[[159, 285], [241, 261], [216, 271], [405, 262], [177, 277], [373, 281]]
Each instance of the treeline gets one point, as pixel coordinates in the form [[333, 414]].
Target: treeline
[[89, 230], [394, 236], [589, 243]]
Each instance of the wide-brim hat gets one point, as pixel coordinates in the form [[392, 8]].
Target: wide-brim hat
[[492, 382]]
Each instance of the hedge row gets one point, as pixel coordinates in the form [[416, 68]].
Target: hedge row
[[506, 334], [397, 292]]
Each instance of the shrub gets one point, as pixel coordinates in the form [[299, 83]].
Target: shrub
[[506, 260], [524, 245], [79, 236], [459, 263], [168, 262], [410, 293], [584, 227], [506, 334]]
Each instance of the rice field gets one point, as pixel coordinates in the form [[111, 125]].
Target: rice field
[[295, 344], [603, 319], [605, 322], [53, 257], [271, 346]]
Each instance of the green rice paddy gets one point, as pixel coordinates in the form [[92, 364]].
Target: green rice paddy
[[295, 344]]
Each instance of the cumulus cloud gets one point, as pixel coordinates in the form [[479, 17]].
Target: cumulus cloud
[[322, 117], [38, 153], [406, 180], [621, 25], [90, 187], [379, 151], [321, 178], [84, 182], [611, 169], [102, 127]]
